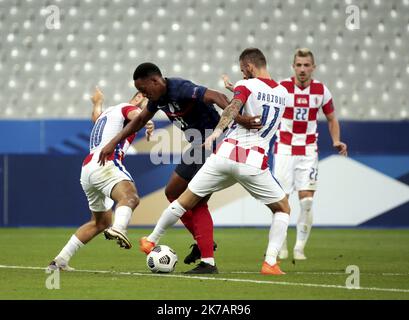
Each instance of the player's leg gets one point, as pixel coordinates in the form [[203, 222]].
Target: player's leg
[[168, 218], [198, 220], [212, 178], [124, 193], [175, 187], [84, 234], [265, 188], [306, 180], [277, 236], [304, 223], [99, 222], [100, 207], [284, 173], [208, 180]]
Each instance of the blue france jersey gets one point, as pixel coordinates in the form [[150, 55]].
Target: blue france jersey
[[184, 106]]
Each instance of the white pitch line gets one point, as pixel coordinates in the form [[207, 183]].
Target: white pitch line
[[283, 283]]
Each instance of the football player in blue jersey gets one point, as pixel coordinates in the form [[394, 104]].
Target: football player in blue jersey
[[191, 108]]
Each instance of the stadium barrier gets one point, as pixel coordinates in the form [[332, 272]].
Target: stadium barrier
[[40, 166]]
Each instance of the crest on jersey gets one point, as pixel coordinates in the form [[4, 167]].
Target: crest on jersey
[[302, 101]]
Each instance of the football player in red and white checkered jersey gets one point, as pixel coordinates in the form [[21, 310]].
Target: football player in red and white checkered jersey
[[295, 150], [241, 157], [103, 185]]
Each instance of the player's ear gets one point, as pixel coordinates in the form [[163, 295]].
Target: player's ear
[[155, 79]]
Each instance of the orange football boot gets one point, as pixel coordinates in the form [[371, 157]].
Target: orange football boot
[[145, 245], [271, 270]]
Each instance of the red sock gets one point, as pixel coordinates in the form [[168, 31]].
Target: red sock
[[187, 220], [203, 229]]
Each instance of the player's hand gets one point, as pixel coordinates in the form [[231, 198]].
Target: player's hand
[[150, 127], [249, 122], [227, 84], [341, 147], [98, 96], [213, 137], [105, 153]]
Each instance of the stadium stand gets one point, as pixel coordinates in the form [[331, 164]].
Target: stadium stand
[[48, 73]]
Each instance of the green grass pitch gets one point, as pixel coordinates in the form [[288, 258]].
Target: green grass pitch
[[104, 271]]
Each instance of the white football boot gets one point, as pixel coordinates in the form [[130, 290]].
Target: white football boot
[[121, 237], [59, 264], [298, 254]]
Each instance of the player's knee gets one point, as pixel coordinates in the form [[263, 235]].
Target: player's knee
[[306, 203], [286, 208], [170, 194], [282, 206]]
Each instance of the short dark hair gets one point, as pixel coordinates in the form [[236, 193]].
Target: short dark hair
[[254, 56], [145, 70]]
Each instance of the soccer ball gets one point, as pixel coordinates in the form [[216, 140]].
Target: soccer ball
[[162, 259]]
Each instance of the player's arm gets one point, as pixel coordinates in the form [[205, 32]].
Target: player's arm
[[97, 100], [149, 127], [221, 100], [136, 124], [335, 132], [228, 115]]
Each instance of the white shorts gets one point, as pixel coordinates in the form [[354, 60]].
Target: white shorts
[[219, 173], [296, 172], [98, 181]]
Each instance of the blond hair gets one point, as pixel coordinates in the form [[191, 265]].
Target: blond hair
[[304, 52]]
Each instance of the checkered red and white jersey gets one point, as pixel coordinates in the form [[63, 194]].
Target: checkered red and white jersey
[[108, 125], [261, 97], [297, 134]]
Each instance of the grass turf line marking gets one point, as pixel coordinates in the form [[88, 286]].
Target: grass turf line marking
[[284, 283]]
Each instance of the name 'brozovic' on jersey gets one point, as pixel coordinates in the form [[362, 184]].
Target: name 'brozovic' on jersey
[[108, 125]]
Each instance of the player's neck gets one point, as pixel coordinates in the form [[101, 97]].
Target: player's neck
[[263, 73], [304, 84]]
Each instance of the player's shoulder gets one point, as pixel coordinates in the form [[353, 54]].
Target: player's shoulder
[[120, 108], [286, 81], [122, 105], [243, 82], [288, 84], [176, 82], [318, 87], [282, 88], [180, 88], [177, 86]]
